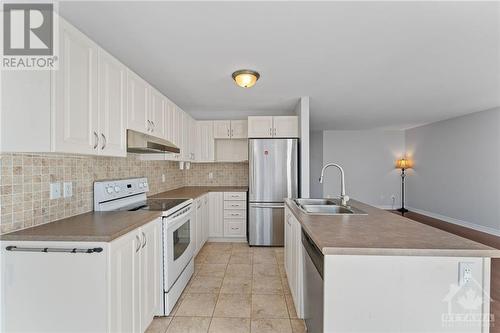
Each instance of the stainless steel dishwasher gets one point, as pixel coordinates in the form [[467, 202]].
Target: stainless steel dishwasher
[[313, 285]]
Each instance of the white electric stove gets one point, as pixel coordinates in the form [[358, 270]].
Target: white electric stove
[[178, 240]]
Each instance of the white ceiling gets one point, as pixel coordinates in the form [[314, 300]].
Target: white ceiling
[[364, 64]]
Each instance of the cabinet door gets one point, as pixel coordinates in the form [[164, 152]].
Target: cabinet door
[[192, 139], [157, 115], [150, 268], [123, 284], [286, 127], [177, 128], [137, 105], [222, 129], [112, 102], [169, 120], [288, 249], [205, 141], [216, 214], [199, 225], [205, 219], [239, 129], [75, 112], [260, 127]]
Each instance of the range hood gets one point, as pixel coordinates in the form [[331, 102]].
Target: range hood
[[141, 143]]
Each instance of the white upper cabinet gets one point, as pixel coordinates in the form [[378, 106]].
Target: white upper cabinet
[[138, 101], [157, 114], [112, 106], [286, 127], [204, 150], [222, 129], [239, 129], [273, 127], [260, 127], [169, 120], [75, 110], [230, 129]]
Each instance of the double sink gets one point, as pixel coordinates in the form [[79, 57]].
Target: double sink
[[326, 207]]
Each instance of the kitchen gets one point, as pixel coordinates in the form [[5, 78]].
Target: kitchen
[[139, 198]]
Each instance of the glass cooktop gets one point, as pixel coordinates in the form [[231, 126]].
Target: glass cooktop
[[161, 205]]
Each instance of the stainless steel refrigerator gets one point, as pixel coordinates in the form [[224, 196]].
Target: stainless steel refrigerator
[[273, 176]]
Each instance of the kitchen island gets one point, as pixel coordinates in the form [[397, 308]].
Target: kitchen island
[[381, 272]]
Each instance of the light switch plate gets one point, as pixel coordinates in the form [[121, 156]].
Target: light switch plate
[[68, 189], [55, 191]]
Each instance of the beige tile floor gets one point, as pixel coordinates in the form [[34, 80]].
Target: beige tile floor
[[235, 289]]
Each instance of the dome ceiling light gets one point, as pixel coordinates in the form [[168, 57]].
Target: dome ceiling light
[[245, 78]]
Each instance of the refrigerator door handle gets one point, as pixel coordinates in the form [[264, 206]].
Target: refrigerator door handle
[[267, 206]]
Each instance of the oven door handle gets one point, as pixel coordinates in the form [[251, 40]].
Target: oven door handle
[[173, 223]]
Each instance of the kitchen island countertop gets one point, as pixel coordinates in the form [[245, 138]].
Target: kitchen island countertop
[[383, 233]]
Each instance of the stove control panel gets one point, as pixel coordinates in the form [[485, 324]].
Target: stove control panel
[[116, 189]]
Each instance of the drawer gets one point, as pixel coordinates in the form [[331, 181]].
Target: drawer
[[235, 205], [235, 228], [235, 196], [235, 214]]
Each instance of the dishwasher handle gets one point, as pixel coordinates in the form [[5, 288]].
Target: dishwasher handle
[[313, 252]]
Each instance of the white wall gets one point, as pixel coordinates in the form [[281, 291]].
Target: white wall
[[368, 159], [456, 173], [302, 110], [316, 153]]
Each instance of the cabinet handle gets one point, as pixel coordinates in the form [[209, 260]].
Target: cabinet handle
[[153, 126], [228, 135], [232, 132], [138, 243], [274, 131], [96, 140], [104, 141], [233, 214], [271, 132], [145, 240]]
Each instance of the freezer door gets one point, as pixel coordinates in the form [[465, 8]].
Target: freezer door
[[273, 169], [266, 224]]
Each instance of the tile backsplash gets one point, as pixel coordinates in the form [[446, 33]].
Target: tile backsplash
[[223, 174], [25, 179]]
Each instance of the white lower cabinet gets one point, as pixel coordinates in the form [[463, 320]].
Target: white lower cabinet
[[227, 216], [201, 222], [293, 260], [235, 214], [114, 290], [216, 217], [135, 278]]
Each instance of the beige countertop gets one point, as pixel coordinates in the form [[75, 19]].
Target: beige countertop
[[106, 226], [88, 227], [194, 192], [384, 233]]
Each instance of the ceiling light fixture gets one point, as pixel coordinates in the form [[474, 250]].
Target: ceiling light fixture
[[245, 78]]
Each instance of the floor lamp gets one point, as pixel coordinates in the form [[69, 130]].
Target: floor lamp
[[403, 164]]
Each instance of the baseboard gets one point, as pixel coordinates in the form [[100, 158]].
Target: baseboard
[[227, 240], [452, 220]]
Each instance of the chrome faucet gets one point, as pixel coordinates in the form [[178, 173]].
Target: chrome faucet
[[343, 197]]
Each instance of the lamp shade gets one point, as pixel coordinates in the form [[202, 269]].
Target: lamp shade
[[403, 163]]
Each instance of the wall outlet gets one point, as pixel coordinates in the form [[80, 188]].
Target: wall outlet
[[68, 189], [464, 272], [210, 175], [55, 191], [163, 178]]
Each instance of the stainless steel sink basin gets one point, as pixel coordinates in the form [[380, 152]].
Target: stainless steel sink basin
[[322, 202], [326, 207]]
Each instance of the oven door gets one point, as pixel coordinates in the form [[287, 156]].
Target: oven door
[[178, 244]]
